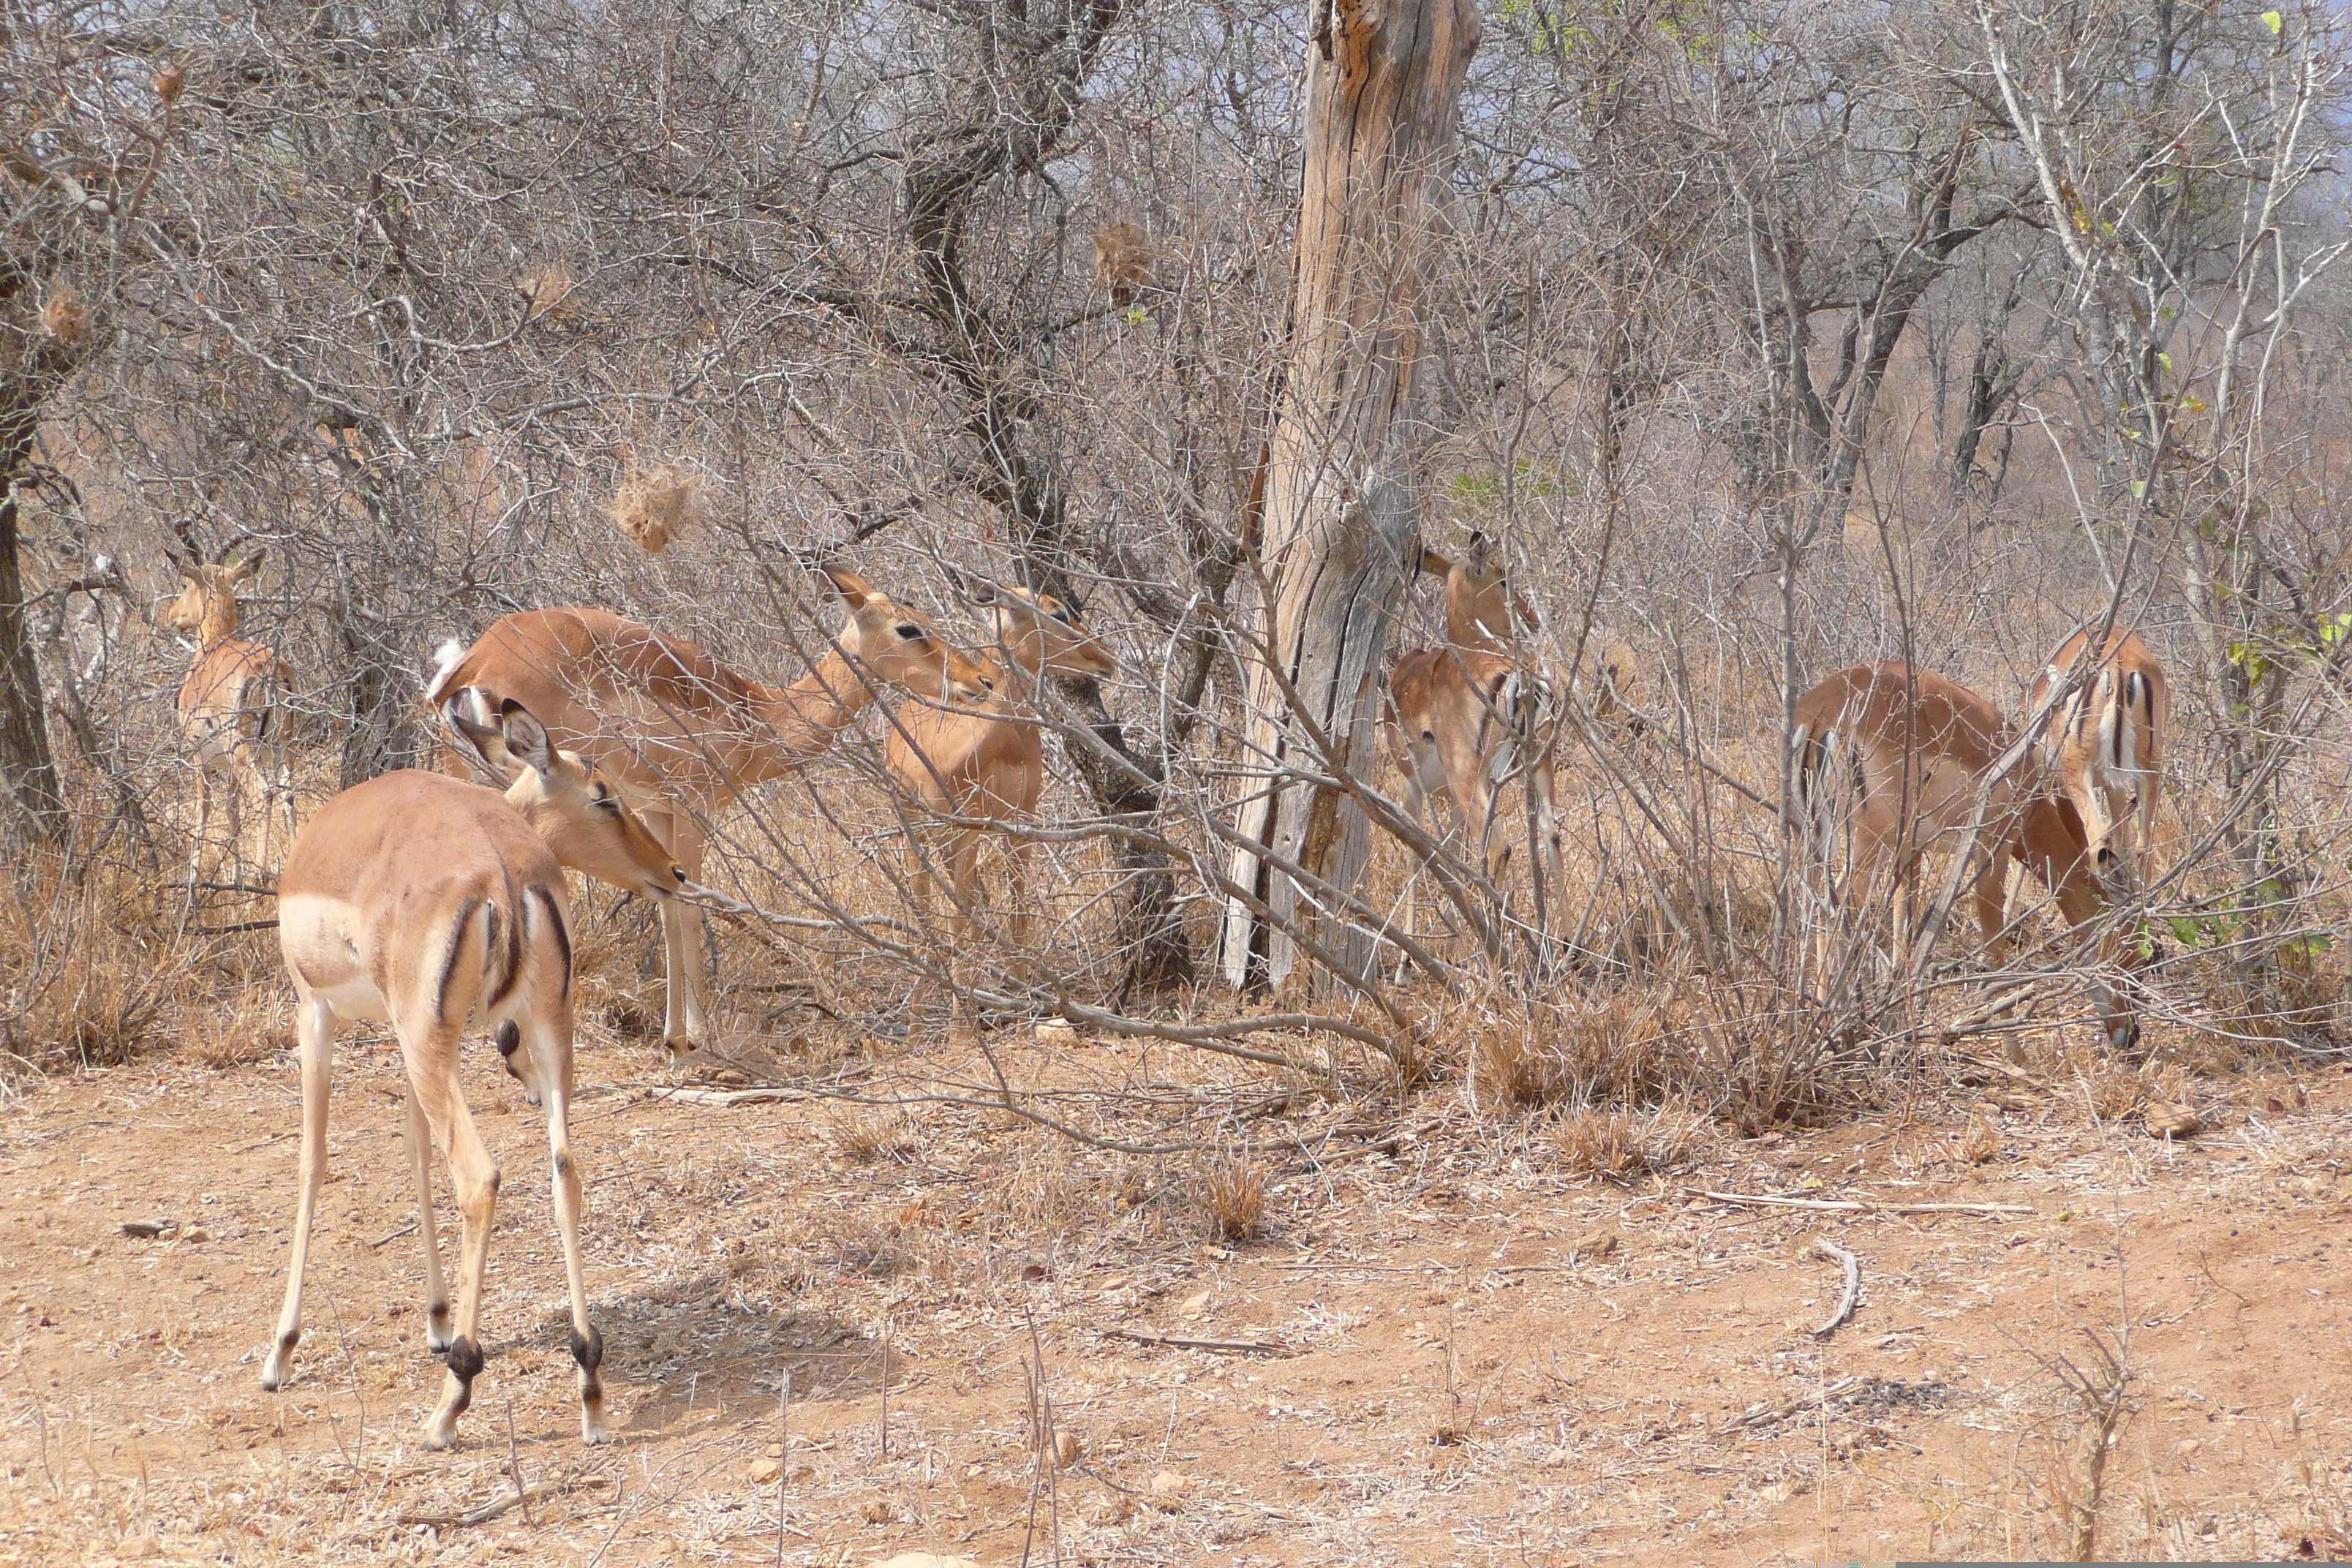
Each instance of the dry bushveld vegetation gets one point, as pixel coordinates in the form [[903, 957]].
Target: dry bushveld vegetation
[[1298, 1191]]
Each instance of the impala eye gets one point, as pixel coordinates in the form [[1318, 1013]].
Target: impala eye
[[912, 633]]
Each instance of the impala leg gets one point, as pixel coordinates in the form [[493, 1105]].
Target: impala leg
[[285, 792], [433, 1077], [428, 1230], [1553, 894], [682, 932], [1990, 890], [551, 1044], [1016, 888], [919, 870], [204, 820], [246, 786], [1416, 806], [314, 1029], [963, 872]]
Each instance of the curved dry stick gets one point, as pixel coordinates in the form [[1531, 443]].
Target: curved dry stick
[[1852, 1294]]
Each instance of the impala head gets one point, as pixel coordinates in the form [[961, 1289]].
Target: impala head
[[900, 645], [1617, 677], [1039, 631], [205, 606], [565, 797], [1478, 597]]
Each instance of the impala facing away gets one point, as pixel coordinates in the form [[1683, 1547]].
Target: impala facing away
[[1890, 760], [2103, 745], [683, 735], [422, 900], [989, 761], [233, 704]]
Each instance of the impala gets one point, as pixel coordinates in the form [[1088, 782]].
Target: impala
[[233, 704], [1463, 719], [988, 762], [425, 901], [1891, 761], [683, 735], [2104, 744], [1483, 612]]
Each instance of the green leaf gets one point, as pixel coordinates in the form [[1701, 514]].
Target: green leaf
[[2140, 490], [2165, 360], [2273, 21]]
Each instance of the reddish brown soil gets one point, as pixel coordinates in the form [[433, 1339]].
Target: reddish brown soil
[[1464, 1371]]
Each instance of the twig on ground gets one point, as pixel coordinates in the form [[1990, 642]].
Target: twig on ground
[[1169, 1342], [1844, 1205], [1852, 1293], [514, 1469], [498, 1509], [393, 1235], [722, 1098], [1772, 1414], [784, 1448]]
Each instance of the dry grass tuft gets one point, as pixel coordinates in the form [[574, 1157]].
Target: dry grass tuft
[[1509, 1066], [1622, 1146], [1981, 1143], [86, 972], [871, 1139], [256, 1026], [657, 505], [1231, 1192], [65, 317]]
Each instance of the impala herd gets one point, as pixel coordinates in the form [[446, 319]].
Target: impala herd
[[440, 906]]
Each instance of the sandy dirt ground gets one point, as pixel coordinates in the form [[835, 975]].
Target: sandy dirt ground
[[1445, 1348]]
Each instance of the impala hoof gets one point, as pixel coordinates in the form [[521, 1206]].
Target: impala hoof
[[278, 1370]]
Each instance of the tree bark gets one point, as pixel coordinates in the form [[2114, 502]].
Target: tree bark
[[28, 775], [33, 363], [1341, 513]]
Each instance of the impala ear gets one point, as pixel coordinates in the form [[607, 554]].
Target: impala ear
[[249, 565], [979, 592], [475, 733], [183, 565], [1437, 566], [855, 590], [526, 738]]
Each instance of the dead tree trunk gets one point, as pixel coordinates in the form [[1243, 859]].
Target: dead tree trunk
[[36, 359], [1341, 512]]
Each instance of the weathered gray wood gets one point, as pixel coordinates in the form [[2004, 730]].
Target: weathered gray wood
[[1341, 515]]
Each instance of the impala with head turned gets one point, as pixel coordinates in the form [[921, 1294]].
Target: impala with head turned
[[1464, 720], [419, 901], [682, 735], [987, 762], [1890, 764], [2103, 744], [234, 704]]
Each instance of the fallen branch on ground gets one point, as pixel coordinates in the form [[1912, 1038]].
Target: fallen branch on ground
[[1853, 1293], [1845, 1205], [1773, 1415], [1167, 1342], [490, 1511]]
